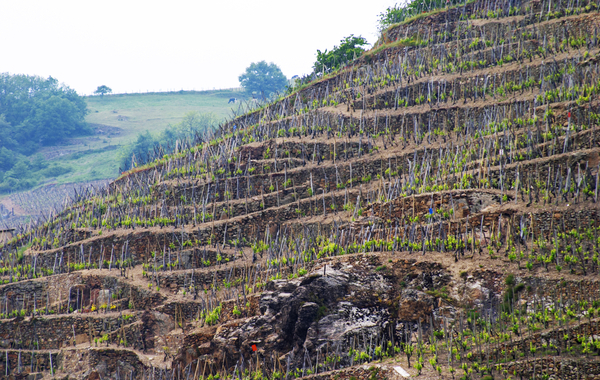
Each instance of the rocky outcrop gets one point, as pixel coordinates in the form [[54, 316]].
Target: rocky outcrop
[[317, 312]]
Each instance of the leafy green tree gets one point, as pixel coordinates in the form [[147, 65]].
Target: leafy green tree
[[55, 170], [54, 119], [20, 177], [263, 78], [8, 159], [350, 47], [34, 112], [20, 170], [38, 112], [7, 136], [137, 152], [38, 162], [101, 90]]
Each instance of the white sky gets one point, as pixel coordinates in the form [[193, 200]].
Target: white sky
[[134, 46]]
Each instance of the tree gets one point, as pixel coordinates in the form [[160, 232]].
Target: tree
[[137, 151], [8, 159], [193, 123], [101, 90], [34, 112], [349, 48], [263, 78], [38, 111], [53, 120]]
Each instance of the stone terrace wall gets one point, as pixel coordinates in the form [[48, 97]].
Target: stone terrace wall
[[58, 332], [558, 367]]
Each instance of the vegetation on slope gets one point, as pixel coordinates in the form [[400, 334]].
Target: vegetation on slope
[[350, 48], [172, 139], [262, 79], [49, 133], [463, 170]]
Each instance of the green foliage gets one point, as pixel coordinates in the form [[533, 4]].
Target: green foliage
[[263, 79], [54, 170], [34, 112], [101, 90], [136, 152], [38, 112], [213, 316], [236, 311], [512, 291], [350, 47]]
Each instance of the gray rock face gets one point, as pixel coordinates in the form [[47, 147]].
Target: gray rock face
[[354, 305], [310, 314]]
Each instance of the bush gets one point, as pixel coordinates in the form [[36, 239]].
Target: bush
[[349, 48], [55, 171]]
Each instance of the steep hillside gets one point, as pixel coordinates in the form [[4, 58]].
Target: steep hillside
[[430, 209]]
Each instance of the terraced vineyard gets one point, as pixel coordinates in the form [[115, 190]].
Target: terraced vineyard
[[432, 206]]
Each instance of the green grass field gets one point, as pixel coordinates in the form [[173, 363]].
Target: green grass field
[[121, 118]]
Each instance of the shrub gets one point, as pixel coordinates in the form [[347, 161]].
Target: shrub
[[350, 47]]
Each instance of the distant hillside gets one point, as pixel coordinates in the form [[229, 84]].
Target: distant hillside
[[116, 120], [135, 113]]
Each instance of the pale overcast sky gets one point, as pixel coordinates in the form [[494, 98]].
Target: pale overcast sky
[[134, 46]]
